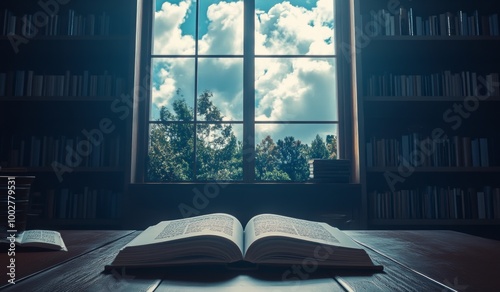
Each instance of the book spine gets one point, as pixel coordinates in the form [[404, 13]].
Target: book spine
[[3, 81]]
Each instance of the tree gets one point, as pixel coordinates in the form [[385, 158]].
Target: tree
[[293, 158], [219, 155], [318, 149], [331, 145], [218, 152], [267, 161], [171, 148], [171, 145]]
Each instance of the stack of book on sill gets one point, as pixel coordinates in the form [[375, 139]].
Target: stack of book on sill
[[330, 170]]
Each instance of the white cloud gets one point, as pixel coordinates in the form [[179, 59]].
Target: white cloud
[[168, 36], [162, 95], [287, 89], [224, 78], [225, 29], [295, 89], [170, 76], [324, 12], [287, 29]]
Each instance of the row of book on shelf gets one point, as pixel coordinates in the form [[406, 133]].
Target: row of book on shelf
[[64, 24], [446, 83], [27, 83], [437, 202], [83, 203], [410, 22], [414, 149], [43, 151]]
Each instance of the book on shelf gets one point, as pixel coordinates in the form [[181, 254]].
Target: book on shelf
[[445, 83], [266, 240], [330, 170], [437, 202], [67, 84], [444, 152], [483, 152], [404, 22], [49, 150], [82, 203], [44, 239], [72, 24]]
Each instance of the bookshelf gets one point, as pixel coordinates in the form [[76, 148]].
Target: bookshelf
[[65, 83], [428, 99]]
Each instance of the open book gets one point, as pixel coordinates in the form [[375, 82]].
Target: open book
[[45, 239], [220, 238]]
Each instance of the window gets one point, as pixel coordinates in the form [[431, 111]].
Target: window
[[240, 90]]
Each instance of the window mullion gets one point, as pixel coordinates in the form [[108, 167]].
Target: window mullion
[[249, 91], [195, 90]]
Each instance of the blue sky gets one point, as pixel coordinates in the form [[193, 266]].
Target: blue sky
[[189, 25], [286, 89]]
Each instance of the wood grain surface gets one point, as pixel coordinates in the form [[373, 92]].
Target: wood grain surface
[[413, 261]]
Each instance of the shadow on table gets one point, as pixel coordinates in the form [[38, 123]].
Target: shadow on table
[[222, 277]]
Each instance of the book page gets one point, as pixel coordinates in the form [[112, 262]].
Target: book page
[[265, 225], [44, 237], [219, 224]]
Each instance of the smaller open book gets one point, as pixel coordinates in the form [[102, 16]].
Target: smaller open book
[[267, 239], [44, 239]]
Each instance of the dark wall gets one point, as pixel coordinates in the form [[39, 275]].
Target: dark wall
[[336, 204]]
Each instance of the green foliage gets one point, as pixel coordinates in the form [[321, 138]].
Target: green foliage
[[293, 156], [318, 149], [267, 161], [168, 158], [331, 145], [219, 155], [171, 153]]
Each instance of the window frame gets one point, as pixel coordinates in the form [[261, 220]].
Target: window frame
[[346, 117]]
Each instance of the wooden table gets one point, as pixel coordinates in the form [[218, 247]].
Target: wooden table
[[78, 242], [460, 261], [413, 261]]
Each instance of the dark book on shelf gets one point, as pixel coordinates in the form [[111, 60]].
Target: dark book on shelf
[[330, 170]]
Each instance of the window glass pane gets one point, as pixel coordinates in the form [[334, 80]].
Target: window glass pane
[[282, 151], [219, 151], [220, 83], [294, 27], [295, 86], [295, 89], [174, 24], [172, 92], [221, 27], [170, 152]]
